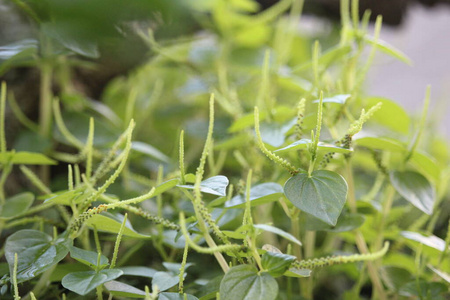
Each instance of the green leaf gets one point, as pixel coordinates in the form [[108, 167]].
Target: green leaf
[[120, 289], [426, 164], [298, 273], [259, 194], [149, 150], [346, 222], [278, 231], [441, 274], [244, 283], [22, 53], [322, 195], [322, 147], [62, 269], [138, 271], [216, 185], [164, 280], [174, 268], [391, 115], [248, 120], [234, 142], [26, 158], [424, 290], [16, 205], [166, 185], [339, 99], [106, 224], [89, 258], [430, 241], [274, 133], [175, 296], [66, 197], [332, 55], [395, 277], [84, 282], [415, 188], [276, 264], [36, 252], [380, 143], [388, 49]]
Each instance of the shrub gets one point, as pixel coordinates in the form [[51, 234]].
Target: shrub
[[289, 183]]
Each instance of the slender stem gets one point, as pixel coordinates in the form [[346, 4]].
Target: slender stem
[[387, 204], [359, 238]]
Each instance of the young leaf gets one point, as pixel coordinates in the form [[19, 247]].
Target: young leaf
[[175, 296], [120, 289], [430, 241], [278, 231], [259, 194], [339, 99], [391, 115], [26, 158], [415, 188], [138, 271], [89, 258], [346, 222], [388, 49], [149, 150], [164, 280], [321, 147], [244, 283], [215, 185], [84, 282], [276, 264], [36, 250], [380, 143], [298, 273], [322, 195], [103, 223], [16, 205]]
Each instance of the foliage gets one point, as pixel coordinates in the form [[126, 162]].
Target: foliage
[[288, 168]]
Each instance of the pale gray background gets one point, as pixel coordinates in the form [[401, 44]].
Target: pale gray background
[[425, 38]]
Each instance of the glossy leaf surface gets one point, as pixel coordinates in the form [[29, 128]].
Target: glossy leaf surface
[[84, 282], [276, 264], [244, 283], [259, 194], [322, 195], [36, 252], [216, 185], [415, 188], [16, 205]]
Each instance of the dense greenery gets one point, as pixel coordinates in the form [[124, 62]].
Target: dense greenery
[[242, 162]]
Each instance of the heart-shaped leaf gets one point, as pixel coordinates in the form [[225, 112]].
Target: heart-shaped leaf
[[26, 158], [259, 194], [164, 280], [84, 282], [322, 194], [415, 188], [121, 289], [276, 263], [278, 231], [16, 205], [244, 283], [89, 258], [175, 296], [36, 252], [321, 147], [216, 185], [106, 224]]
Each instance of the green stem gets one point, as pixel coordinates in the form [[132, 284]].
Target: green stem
[[359, 238]]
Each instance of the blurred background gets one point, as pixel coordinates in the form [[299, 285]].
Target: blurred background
[[420, 29]]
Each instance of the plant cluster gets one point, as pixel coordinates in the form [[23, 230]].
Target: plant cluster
[[288, 183]]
